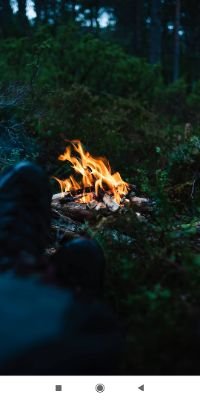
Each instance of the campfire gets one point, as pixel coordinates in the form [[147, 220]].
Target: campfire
[[90, 195], [93, 182]]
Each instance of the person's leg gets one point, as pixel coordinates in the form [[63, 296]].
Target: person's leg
[[80, 264], [25, 212], [44, 329]]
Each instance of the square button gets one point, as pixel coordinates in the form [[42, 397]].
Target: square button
[[58, 388]]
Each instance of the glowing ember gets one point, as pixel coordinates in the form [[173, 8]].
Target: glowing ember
[[95, 173]]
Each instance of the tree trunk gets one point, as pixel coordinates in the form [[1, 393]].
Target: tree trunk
[[139, 26], [37, 8], [177, 41], [155, 32], [74, 3], [41, 10], [6, 15], [23, 20], [22, 8], [6, 7]]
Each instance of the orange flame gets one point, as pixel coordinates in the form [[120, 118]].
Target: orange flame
[[95, 172]]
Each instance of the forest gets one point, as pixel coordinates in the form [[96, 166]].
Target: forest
[[123, 77]]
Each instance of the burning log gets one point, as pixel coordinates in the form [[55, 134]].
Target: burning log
[[74, 195], [82, 191], [100, 206], [66, 198], [92, 205], [96, 205]]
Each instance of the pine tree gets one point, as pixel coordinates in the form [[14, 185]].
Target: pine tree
[[177, 40], [155, 32], [6, 18], [21, 15]]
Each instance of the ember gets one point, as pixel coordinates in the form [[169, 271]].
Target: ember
[[96, 178]]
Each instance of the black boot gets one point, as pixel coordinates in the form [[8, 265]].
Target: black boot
[[25, 213], [80, 263]]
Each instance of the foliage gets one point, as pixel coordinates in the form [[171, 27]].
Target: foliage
[[66, 56]]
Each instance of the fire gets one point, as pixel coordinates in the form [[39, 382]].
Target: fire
[[95, 173]]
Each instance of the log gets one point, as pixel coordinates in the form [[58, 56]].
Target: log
[[66, 197], [142, 204], [100, 206], [110, 203], [63, 223], [69, 217], [63, 219], [96, 205], [76, 211], [81, 212], [92, 205], [139, 201], [57, 197]]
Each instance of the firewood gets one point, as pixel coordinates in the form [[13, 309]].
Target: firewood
[[57, 196], [96, 205], [142, 204], [110, 203], [82, 191], [64, 219], [80, 212], [139, 201], [100, 206], [92, 205], [77, 212], [65, 197]]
